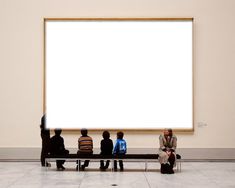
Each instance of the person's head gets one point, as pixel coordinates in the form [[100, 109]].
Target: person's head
[[170, 132], [166, 132], [43, 119], [120, 135], [106, 135], [57, 132], [43, 122], [84, 132]]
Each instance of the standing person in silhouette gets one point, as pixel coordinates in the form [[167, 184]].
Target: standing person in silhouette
[[85, 147], [45, 135], [119, 150], [167, 156], [106, 146], [57, 148]]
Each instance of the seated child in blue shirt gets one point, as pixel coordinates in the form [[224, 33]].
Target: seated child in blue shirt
[[119, 150]]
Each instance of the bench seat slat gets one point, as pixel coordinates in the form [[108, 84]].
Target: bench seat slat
[[98, 156]]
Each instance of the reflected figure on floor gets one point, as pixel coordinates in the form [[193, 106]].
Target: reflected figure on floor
[[45, 135], [119, 150], [58, 148], [106, 146], [167, 155], [85, 148]]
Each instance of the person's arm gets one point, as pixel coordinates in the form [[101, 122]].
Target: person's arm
[[91, 144], [162, 147], [52, 148], [115, 150], [62, 147], [174, 145], [111, 147], [79, 143], [101, 146]]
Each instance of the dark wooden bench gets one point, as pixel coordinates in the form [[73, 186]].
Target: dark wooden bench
[[97, 157]]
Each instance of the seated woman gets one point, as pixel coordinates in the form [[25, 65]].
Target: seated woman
[[167, 156]]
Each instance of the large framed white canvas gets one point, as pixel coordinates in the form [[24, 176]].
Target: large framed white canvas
[[118, 73]]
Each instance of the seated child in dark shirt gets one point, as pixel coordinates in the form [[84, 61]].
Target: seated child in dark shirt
[[57, 148], [106, 146]]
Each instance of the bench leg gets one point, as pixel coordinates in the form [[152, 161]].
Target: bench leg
[[46, 161], [112, 165], [178, 165], [78, 165]]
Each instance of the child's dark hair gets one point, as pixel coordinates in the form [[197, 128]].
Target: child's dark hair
[[106, 134], [120, 135], [84, 132], [57, 131]]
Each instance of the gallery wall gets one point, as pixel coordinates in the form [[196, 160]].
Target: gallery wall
[[21, 62]]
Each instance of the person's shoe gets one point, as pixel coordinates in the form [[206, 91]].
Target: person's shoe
[[106, 167], [102, 169], [121, 168], [170, 171], [60, 168], [163, 169], [82, 168], [48, 165]]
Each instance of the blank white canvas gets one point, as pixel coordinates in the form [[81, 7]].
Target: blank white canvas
[[119, 74]]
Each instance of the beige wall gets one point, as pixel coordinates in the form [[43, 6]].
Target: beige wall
[[21, 66]]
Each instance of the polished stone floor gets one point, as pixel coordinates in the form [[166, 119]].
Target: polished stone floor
[[193, 174]]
